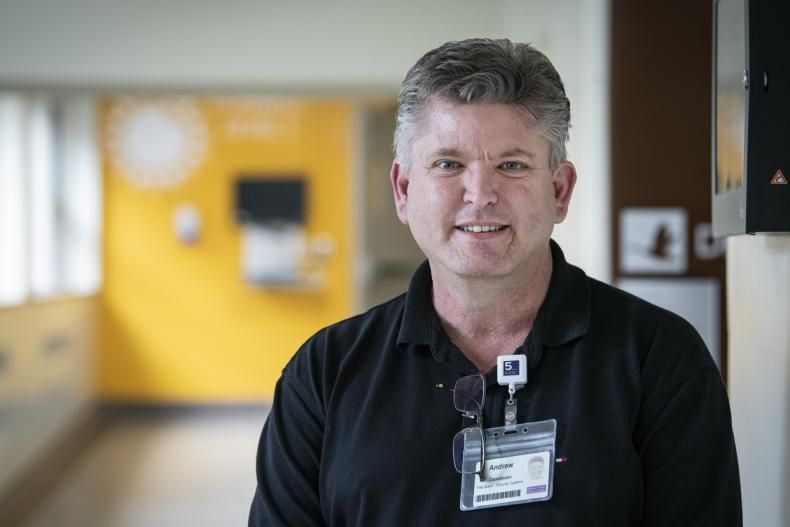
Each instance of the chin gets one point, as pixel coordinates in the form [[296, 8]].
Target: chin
[[479, 270]]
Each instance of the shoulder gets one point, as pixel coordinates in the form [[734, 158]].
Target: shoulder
[[634, 313], [667, 348], [317, 362], [336, 340]]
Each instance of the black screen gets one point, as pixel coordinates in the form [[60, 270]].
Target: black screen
[[267, 199]]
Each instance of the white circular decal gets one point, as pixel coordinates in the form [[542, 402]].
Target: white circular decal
[[156, 143]]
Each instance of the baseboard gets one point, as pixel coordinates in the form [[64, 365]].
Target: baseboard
[[112, 410]]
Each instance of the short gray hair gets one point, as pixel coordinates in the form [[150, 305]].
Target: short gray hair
[[485, 71]]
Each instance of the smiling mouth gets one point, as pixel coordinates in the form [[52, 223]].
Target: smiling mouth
[[482, 228]]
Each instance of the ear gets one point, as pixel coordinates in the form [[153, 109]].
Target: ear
[[400, 190], [564, 181]]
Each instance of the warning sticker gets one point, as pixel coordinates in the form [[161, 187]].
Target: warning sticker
[[779, 178]]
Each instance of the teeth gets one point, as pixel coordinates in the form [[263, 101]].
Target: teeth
[[482, 228]]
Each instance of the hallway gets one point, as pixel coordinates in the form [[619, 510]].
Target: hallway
[[160, 468]]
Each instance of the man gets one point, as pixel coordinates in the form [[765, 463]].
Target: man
[[536, 466], [362, 426]]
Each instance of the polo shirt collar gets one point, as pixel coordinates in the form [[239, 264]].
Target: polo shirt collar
[[564, 315], [565, 312], [415, 327]]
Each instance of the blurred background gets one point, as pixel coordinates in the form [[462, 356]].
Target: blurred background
[[189, 190]]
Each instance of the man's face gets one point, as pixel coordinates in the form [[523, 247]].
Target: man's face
[[535, 469], [479, 196]]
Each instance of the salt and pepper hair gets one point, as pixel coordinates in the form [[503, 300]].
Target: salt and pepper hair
[[484, 71]]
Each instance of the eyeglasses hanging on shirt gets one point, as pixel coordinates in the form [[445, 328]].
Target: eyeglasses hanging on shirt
[[469, 444]]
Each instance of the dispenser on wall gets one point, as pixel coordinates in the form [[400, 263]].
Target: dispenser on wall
[[275, 251], [751, 79]]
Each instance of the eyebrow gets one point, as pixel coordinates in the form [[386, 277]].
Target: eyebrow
[[446, 152], [517, 152], [453, 152]]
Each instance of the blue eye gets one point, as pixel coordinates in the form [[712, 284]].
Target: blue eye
[[512, 165], [447, 165]]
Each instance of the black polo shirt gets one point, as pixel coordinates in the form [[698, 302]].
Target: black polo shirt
[[360, 434]]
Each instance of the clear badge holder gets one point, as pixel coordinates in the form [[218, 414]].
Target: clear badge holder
[[519, 467]]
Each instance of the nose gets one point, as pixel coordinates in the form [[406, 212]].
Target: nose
[[480, 187]]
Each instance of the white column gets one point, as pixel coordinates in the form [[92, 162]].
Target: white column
[[758, 315]]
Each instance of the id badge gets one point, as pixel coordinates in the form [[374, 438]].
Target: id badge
[[519, 467]]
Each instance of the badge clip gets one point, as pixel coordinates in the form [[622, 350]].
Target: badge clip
[[510, 412], [511, 371]]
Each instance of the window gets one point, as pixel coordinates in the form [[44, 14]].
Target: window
[[13, 278], [50, 198]]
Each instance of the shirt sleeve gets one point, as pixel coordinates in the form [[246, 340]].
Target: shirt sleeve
[[687, 449], [289, 458]]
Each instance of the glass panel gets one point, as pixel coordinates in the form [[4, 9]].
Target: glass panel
[[80, 193], [730, 94], [41, 160], [13, 278], [64, 197]]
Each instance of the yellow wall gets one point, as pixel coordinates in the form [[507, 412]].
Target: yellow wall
[[179, 324]]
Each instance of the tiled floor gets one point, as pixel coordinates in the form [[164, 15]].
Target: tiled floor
[[154, 471]]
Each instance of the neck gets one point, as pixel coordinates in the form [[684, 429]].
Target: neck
[[492, 316]]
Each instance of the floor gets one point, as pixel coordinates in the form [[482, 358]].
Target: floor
[[159, 470]]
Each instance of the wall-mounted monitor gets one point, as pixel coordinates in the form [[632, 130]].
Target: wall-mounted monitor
[[270, 199], [751, 117]]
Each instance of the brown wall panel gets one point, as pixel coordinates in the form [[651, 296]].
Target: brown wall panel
[[661, 115]]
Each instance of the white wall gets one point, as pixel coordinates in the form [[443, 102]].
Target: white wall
[[314, 46], [237, 42], [758, 314], [575, 36]]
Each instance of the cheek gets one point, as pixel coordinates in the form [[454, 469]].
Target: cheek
[[534, 205], [428, 198]]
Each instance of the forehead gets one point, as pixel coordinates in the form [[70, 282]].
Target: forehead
[[477, 129]]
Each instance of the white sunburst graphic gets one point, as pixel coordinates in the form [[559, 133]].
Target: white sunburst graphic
[[156, 143]]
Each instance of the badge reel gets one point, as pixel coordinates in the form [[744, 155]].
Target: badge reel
[[519, 457]]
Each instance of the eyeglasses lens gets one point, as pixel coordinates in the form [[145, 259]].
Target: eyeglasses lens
[[468, 450], [469, 393]]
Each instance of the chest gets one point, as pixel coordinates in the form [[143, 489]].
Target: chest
[[393, 457]]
